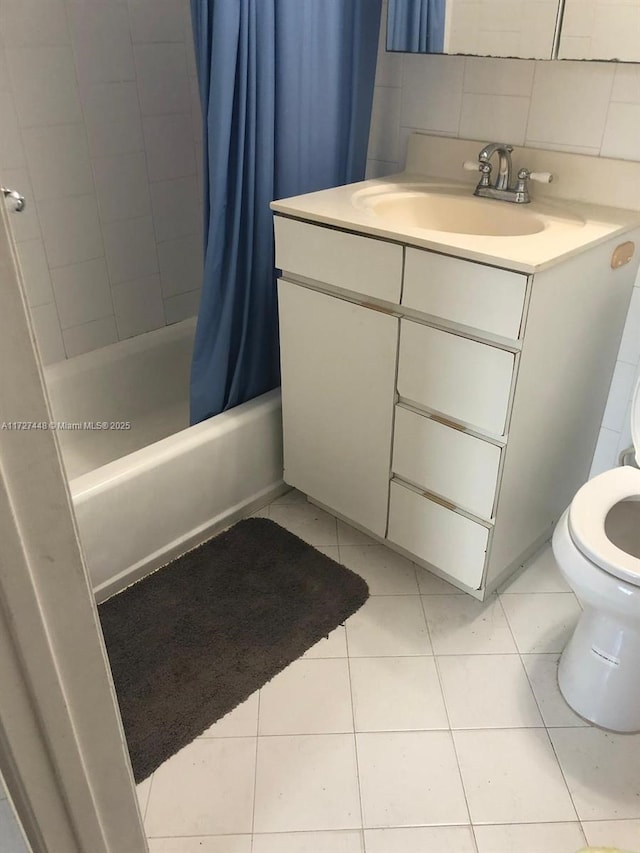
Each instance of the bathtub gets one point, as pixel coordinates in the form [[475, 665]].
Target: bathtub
[[145, 486]]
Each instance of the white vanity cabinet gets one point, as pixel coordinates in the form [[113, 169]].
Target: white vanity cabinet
[[446, 406]]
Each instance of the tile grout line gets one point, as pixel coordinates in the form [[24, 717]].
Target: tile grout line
[[255, 772], [446, 710], [353, 715], [546, 728]]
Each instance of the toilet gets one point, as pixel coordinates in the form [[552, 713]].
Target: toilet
[[596, 544]]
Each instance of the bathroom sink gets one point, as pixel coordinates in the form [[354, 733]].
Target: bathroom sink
[[456, 211]]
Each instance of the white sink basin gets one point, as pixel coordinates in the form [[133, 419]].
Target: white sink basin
[[457, 212]]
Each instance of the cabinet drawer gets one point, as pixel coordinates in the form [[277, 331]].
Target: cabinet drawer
[[362, 264], [463, 379], [451, 463], [448, 541], [464, 292]]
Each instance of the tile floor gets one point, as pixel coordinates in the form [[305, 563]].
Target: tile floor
[[429, 723]]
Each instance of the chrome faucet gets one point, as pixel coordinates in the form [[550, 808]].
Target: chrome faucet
[[504, 164], [501, 189]]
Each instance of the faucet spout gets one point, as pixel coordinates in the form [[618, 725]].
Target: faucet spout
[[503, 180]]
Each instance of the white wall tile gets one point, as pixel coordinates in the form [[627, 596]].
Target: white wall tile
[[44, 85], [138, 306], [630, 344], [130, 246], [176, 209], [82, 292], [606, 455], [122, 186], [58, 161], [71, 229], [381, 168], [432, 92], [157, 20], [569, 103], [619, 395], [170, 150], [11, 152], [181, 265], [494, 117], [486, 76], [5, 82], [35, 272], [626, 84], [621, 137], [177, 308], [90, 336], [112, 116], [385, 123], [26, 23], [101, 41], [48, 334], [163, 84]]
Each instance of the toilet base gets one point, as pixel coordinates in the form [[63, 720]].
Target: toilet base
[[598, 672]]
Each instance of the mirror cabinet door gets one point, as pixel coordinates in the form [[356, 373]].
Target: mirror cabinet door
[[601, 29], [524, 29]]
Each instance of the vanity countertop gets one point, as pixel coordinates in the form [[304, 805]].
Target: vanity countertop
[[569, 226]]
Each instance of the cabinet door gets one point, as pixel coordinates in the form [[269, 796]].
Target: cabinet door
[[338, 373]]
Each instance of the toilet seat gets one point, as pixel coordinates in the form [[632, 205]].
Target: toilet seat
[[587, 515]]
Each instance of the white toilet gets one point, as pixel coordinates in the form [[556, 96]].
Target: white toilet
[[596, 544]]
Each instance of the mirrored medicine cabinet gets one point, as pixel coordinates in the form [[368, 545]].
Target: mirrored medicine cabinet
[[524, 29]]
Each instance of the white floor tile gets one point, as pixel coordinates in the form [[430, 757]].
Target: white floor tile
[[602, 771], [333, 646], [421, 839], [306, 521], [460, 625], [331, 551], [241, 722], [142, 791], [388, 625], [541, 575], [541, 622], [386, 572], [306, 783], [348, 535], [11, 839], [512, 776], [542, 671], [397, 694], [409, 778], [430, 584], [529, 838], [309, 842], [205, 789], [498, 685], [259, 513], [202, 844], [308, 697], [613, 833], [293, 496]]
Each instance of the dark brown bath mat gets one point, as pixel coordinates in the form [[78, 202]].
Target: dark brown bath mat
[[199, 636]]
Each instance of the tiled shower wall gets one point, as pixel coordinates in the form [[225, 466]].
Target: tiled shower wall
[[100, 130], [592, 108]]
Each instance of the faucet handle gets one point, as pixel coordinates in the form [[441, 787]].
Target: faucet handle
[[541, 177], [472, 165]]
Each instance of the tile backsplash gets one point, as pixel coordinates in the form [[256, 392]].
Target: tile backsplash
[[590, 108], [101, 132]]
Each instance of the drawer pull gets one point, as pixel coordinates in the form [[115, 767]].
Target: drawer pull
[[446, 422], [442, 501]]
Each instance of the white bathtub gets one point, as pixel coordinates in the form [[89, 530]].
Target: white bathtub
[[145, 494]]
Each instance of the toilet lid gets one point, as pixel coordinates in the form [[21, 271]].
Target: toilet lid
[[587, 516], [635, 420]]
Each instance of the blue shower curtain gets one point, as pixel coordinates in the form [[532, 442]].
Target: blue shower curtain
[[416, 26], [286, 88]]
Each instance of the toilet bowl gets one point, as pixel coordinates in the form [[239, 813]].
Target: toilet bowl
[[596, 544]]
